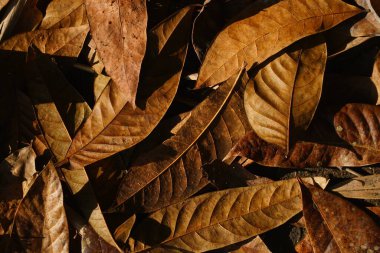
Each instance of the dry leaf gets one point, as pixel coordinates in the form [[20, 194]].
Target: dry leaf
[[217, 219], [285, 93], [355, 124], [254, 39], [367, 187], [84, 197], [11, 16], [34, 228], [340, 227], [166, 159], [304, 246], [113, 125], [64, 13], [123, 231], [60, 42], [30, 18], [254, 246], [3, 3], [119, 32]]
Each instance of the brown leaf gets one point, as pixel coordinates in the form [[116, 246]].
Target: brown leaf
[[113, 125], [217, 219], [356, 125], [85, 199], [10, 17], [256, 245], [304, 246], [123, 231], [172, 170], [367, 187], [376, 77], [64, 13], [119, 32], [30, 18], [341, 226], [3, 3], [35, 229], [17, 175], [254, 39], [60, 42], [285, 93], [91, 241]]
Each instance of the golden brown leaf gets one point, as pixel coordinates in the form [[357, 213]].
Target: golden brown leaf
[[217, 219], [355, 124], [304, 246], [254, 39], [367, 187], [3, 3], [64, 13], [113, 125], [40, 223], [119, 32], [123, 231], [172, 170], [341, 227], [60, 42], [85, 199], [285, 94], [256, 245]]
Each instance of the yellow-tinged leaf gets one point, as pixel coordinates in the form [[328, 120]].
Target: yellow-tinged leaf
[[60, 42], [113, 125], [367, 187], [256, 38], [64, 13], [217, 219], [285, 94]]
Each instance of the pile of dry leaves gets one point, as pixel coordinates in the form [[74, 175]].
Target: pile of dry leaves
[[189, 126]]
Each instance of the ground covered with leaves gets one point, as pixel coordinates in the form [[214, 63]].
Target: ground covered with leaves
[[190, 126]]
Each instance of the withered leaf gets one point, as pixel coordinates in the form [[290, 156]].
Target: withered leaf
[[367, 187], [256, 245], [164, 167], [113, 125], [29, 19], [254, 39], [60, 42], [85, 199], [119, 32], [304, 246], [34, 229], [341, 227], [11, 16], [3, 3], [64, 13], [376, 77], [18, 172], [285, 93], [123, 231], [91, 241], [217, 219], [355, 124]]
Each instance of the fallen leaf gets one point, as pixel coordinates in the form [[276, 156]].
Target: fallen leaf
[[113, 125], [34, 230], [285, 93], [64, 13], [356, 126], [166, 165], [9, 18], [3, 3], [341, 227], [254, 39], [217, 219], [304, 246], [59, 42], [367, 187], [85, 199], [29, 19], [90, 240], [123, 231], [256, 245], [119, 32]]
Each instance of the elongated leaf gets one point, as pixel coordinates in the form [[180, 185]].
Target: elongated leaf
[[376, 77], [3, 3], [18, 172], [91, 242], [341, 227], [113, 125], [64, 13], [356, 125], [60, 42], [217, 219], [49, 119], [254, 39], [34, 230], [84, 196], [29, 19], [119, 32], [10, 17], [285, 93], [367, 187], [166, 160]]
